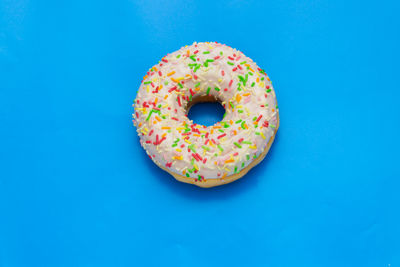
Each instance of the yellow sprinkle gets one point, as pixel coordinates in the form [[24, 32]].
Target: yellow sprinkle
[[195, 166], [148, 88], [165, 106], [253, 147], [262, 135], [178, 150], [226, 169], [187, 141]]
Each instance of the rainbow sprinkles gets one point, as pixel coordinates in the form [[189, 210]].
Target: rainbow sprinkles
[[206, 156]]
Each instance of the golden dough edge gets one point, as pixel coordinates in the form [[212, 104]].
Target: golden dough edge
[[207, 183]]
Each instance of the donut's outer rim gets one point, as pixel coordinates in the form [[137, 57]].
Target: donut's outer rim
[[207, 183]]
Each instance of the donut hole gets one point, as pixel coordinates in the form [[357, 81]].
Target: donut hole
[[205, 111]]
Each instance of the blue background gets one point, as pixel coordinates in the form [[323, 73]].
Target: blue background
[[76, 188]]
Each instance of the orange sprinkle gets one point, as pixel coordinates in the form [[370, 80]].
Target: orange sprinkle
[[231, 122], [246, 94], [164, 135], [245, 126], [188, 52], [197, 135], [273, 110], [158, 118], [223, 176], [229, 161], [155, 101], [145, 77], [155, 68], [174, 80], [165, 128], [216, 163], [258, 79], [140, 124], [166, 96], [234, 132], [171, 73], [238, 97]]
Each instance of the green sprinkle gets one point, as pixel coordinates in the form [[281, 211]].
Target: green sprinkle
[[230, 63], [242, 164], [246, 142], [221, 53], [243, 62], [206, 148], [192, 161], [215, 155], [223, 117], [254, 118], [206, 64], [209, 60], [177, 140], [237, 144], [272, 126], [190, 97], [206, 52], [217, 89], [208, 90], [174, 145], [148, 117], [235, 169], [147, 82], [192, 57], [187, 175], [220, 148], [232, 106], [240, 111], [180, 85], [250, 73], [220, 130], [178, 56], [262, 78], [255, 156], [166, 83], [252, 85], [242, 125], [190, 170], [247, 157], [268, 90], [239, 121], [192, 148], [257, 133], [197, 67]]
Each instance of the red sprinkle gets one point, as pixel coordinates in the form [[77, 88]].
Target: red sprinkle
[[172, 89], [259, 118], [222, 72], [217, 57], [222, 135], [179, 101], [240, 67], [234, 69], [230, 83], [160, 73], [164, 60], [195, 52], [174, 118]]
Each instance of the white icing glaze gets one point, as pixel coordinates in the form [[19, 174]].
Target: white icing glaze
[[201, 152]]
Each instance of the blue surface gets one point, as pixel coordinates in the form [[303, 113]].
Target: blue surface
[[76, 188]]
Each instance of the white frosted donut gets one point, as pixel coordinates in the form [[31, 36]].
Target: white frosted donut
[[218, 154]]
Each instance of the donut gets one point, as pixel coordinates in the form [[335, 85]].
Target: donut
[[193, 153]]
